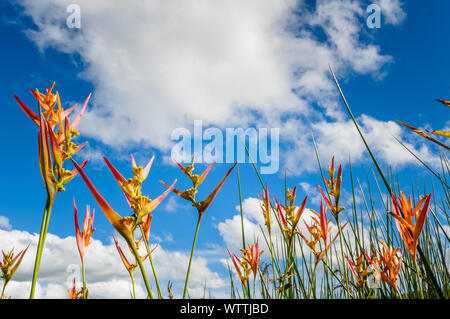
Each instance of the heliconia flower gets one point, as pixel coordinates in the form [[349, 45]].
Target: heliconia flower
[[48, 102], [138, 171], [146, 223], [196, 179], [45, 158], [444, 102], [410, 231], [141, 205], [320, 230], [73, 293], [359, 272], [334, 184], [237, 265], [392, 265], [129, 266], [190, 193], [125, 225], [10, 264], [421, 133], [251, 256], [265, 207], [83, 238], [290, 229]]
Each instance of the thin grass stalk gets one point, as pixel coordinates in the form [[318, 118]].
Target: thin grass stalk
[[192, 255], [419, 250], [141, 267], [149, 253], [240, 207]]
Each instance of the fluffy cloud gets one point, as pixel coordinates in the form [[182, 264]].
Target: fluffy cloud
[[105, 273], [341, 140], [159, 65], [4, 223]]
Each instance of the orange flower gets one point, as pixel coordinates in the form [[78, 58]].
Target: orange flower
[[238, 264], [83, 239], [392, 265], [129, 266], [196, 180], [288, 215], [251, 256], [57, 144], [360, 273], [410, 231], [334, 184], [140, 205], [320, 230], [124, 225], [73, 293], [10, 264], [265, 207]]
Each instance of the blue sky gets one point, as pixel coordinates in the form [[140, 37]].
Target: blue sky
[[398, 80]]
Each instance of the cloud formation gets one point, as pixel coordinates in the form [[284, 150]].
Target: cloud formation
[[105, 274], [226, 63]]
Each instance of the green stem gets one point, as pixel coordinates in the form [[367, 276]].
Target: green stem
[[342, 251], [240, 207], [192, 255], [42, 235], [288, 260], [141, 267], [273, 265], [84, 295], [419, 279], [132, 284], [3, 290], [313, 280], [149, 252]]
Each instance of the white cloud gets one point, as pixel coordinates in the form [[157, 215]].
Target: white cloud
[[341, 140], [392, 11], [219, 61], [105, 274], [4, 223]]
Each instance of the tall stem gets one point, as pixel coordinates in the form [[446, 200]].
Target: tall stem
[[273, 265], [313, 282], [132, 284], [42, 235], [192, 255], [419, 279], [342, 252], [83, 273], [3, 290], [149, 252], [141, 267]]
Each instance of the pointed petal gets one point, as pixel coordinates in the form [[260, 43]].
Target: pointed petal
[[154, 203], [112, 216], [33, 116], [147, 168], [75, 123], [16, 266], [123, 183], [122, 255], [205, 173], [176, 191], [444, 102], [207, 202], [327, 201], [79, 237], [421, 133], [421, 219], [133, 162]]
